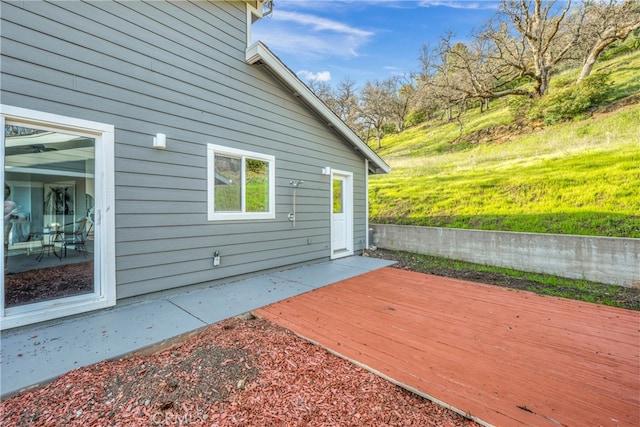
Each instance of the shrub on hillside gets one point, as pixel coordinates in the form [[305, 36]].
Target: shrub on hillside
[[415, 118], [520, 107], [569, 102], [389, 128]]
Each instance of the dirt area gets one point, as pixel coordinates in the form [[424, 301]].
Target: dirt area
[[628, 298], [240, 372]]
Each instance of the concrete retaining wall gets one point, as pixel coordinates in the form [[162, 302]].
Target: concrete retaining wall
[[601, 259]]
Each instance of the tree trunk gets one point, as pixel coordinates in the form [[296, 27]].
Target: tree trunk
[[591, 59], [542, 83], [589, 62], [484, 105], [379, 136]]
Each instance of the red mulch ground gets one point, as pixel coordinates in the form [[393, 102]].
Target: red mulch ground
[[240, 372]]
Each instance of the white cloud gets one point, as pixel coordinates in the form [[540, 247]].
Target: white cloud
[[321, 76], [460, 4], [310, 35], [320, 24]]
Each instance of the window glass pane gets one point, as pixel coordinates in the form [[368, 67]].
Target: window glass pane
[[257, 185], [227, 196], [337, 196], [48, 205]]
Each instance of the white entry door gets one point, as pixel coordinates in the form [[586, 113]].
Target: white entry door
[[341, 214]]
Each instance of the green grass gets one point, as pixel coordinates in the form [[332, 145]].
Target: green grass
[[578, 177]]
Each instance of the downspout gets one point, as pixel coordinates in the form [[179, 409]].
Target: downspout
[[366, 204]]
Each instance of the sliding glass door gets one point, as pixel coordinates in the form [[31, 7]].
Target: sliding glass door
[[58, 183], [49, 202]]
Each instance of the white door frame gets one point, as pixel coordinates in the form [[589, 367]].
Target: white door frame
[[347, 178]]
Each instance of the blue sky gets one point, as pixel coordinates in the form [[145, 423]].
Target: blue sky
[[364, 40]]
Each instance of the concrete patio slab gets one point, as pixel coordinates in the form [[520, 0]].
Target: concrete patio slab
[[40, 353], [315, 275], [221, 302]]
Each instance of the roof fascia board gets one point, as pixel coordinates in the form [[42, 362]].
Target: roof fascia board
[[258, 52], [253, 14]]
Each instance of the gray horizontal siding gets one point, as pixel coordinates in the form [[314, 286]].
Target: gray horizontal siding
[[178, 68]]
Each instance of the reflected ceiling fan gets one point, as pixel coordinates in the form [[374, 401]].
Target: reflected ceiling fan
[[28, 149]]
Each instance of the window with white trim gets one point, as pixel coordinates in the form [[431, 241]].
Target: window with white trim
[[240, 184]]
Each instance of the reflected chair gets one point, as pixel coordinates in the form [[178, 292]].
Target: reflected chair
[[75, 238], [47, 243]]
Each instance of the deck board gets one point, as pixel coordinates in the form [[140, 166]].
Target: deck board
[[501, 356]]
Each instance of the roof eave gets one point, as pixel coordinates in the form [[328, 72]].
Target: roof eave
[[259, 53]]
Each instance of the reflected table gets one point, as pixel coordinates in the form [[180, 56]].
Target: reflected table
[[47, 244]]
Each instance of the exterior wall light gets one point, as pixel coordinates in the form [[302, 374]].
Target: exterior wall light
[[160, 141], [326, 171]]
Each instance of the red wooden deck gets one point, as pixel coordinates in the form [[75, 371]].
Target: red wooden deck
[[500, 356]]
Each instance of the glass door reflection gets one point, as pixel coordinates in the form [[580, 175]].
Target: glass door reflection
[[48, 213]]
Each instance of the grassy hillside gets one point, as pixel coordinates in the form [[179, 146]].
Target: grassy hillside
[[578, 177]]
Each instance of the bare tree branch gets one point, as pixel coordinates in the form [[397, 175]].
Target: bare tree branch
[[543, 25]]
